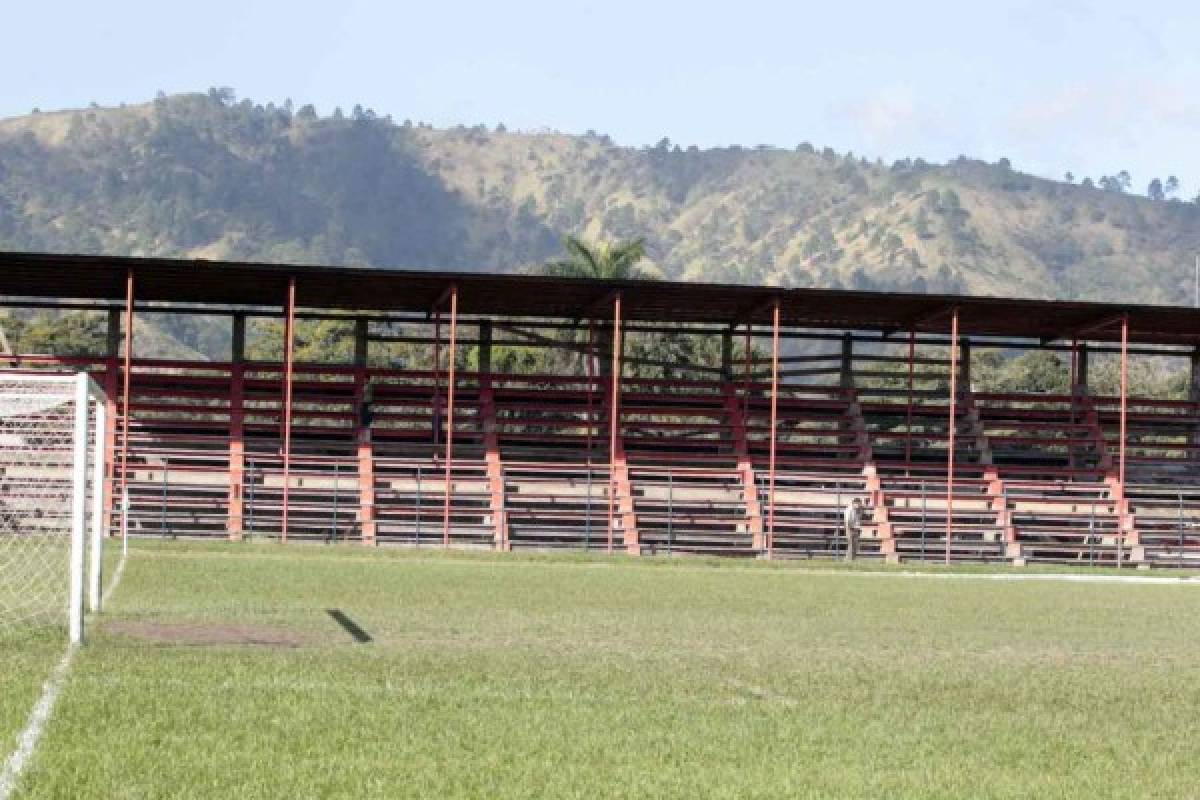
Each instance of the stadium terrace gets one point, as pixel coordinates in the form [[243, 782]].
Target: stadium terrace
[[792, 403]]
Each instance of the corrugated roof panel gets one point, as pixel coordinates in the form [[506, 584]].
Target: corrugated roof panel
[[232, 284]]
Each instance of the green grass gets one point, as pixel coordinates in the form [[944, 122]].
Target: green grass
[[30, 648], [27, 657], [506, 677]]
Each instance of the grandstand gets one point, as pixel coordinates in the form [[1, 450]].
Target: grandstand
[[812, 398]]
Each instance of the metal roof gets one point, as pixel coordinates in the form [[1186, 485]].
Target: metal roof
[[241, 284]]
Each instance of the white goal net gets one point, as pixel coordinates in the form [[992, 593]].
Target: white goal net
[[51, 500]]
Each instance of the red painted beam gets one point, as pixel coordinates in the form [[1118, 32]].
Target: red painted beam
[[774, 428], [614, 416], [237, 454], [953, 430], [1124, 398], [288, 365], [125, 392], [450, 415]]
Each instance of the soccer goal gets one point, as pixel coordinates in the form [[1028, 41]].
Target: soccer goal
[[52, 430]]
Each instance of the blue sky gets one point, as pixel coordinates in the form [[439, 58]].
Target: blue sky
[[1090, 87]]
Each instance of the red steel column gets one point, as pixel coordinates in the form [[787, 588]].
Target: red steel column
[[774, 425], [912, 353], [235, 520], [235, 516], [111, 376], [125, 392], [953, 425], [437, 374], [614, 416], [289, 326], [450, 414], [590, 369], [366, 456], [1124, 397], [746, 376]]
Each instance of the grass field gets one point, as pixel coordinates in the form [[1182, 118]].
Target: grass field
[[26, 659], [221, 672]]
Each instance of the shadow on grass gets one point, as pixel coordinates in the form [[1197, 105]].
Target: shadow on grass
[[349, 626]]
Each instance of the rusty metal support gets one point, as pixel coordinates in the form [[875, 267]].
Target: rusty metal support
[[112, 368], [953, 430], [1124, 398], [364, 398], [126, 383], [450, 414], [289, 335], [908, 411], [235, 519], [589, 368], [746, 375], [437, 376], [614, 416], [774, 428]]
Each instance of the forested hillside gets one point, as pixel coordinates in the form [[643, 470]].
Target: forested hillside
[[203, 175]]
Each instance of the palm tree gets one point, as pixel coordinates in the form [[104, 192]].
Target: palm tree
[[608, 261], [616, 261]]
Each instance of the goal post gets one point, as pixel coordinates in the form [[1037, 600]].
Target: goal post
[[52, 471]]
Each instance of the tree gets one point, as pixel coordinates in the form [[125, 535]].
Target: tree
[[222, 95], [1032, 371], [608, 261], [1172, 186], [1116, 183], [922, 225], [72, 333], [613, 261], [1155, 190], [950, 202], [1069, 178]]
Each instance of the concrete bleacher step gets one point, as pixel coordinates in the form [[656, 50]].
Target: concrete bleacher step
[[1049, 496], [563, 488]]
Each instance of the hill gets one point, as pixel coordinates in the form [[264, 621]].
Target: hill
[[203, 175]]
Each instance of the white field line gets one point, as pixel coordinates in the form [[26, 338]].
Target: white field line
[[1063, 577], [28, 740], [36, 725], [112, 587]]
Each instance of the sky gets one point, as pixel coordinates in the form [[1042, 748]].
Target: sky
[[1086, 87]]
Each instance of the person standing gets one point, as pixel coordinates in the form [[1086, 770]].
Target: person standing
[[852, 519]]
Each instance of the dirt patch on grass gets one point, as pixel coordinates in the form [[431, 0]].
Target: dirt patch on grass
[[199, 634]]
